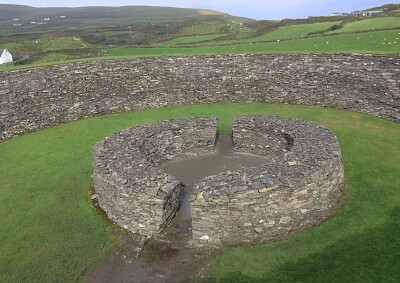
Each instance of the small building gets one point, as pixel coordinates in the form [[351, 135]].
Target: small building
[[372, 13], [357, 14], [5, 56]]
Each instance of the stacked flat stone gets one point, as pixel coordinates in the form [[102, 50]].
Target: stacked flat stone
[[129, 187], [39, 98], [292, 192]]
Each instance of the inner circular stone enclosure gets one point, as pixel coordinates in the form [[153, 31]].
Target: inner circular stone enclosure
[[293, 191]]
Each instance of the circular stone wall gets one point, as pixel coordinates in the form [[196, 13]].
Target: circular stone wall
[[129, 187], [39, 98], [287, 195], [290, 193]]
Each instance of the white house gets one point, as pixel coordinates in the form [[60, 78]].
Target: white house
[[5, 56]]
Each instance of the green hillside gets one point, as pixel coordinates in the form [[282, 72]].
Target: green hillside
[[295, 31], [152, 31], [210, 28], [129, 25], [189, 39], [379, 42], [370, 24], [382, 42], [59, 49], [150, 13]]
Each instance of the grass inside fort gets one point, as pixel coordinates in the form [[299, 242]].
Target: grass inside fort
[[50, 231]]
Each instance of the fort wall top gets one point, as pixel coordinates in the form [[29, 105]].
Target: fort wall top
[[39, 98]]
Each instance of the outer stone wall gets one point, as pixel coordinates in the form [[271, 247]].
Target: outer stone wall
[[128, 185], [287, 195], [38, 98]]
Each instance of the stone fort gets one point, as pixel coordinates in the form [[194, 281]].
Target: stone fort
[[310, 176]]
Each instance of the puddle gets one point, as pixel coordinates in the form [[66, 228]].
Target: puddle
[[190, 170]]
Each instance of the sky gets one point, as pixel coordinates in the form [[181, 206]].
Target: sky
[[256, 9]]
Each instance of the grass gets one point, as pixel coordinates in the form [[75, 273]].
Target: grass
[[294, 31], [368, 42], [370, 24], [50, 232], [46, 44], [189, 39], [51, 50], [381, 42], [218, 28], [362, 243]]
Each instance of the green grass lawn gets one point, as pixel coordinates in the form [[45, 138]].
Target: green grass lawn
[[51, 233], [189, 39], [370, 24]]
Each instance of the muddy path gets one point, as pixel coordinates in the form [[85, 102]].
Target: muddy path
[[169, 257]]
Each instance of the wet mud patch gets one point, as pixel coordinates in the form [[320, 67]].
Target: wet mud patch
[[164, 259]]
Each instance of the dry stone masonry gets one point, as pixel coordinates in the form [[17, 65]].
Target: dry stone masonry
[[289, 194], [128, 185], [39, 98], [293, 191]]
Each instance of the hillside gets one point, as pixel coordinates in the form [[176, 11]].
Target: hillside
[[139, 13], [387, 8], [109, 32]]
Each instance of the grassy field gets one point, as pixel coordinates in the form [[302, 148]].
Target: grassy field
[[218, 28], [47, 44], [51, 233], [295, 31], [59, 49], [189, 39], [370, 24], [368, 42], [284, 32], [381, 42]]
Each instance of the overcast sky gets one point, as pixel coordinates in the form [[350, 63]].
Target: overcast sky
[[256, 9]]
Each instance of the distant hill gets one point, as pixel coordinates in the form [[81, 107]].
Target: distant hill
[[386, 9], [141, 13]]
